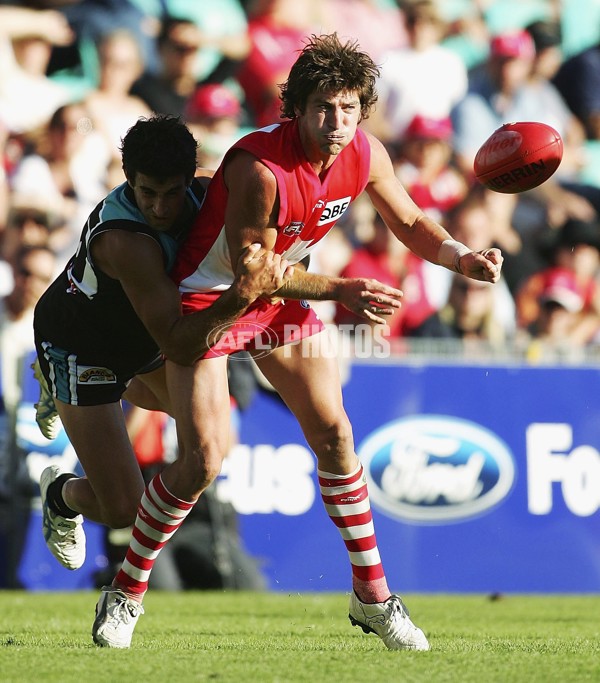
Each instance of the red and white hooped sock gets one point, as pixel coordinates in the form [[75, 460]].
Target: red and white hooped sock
[[346, 500], [159, 516]]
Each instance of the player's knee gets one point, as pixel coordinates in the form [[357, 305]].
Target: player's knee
[[335, 438]]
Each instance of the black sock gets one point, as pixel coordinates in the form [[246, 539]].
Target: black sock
[[55, 499]]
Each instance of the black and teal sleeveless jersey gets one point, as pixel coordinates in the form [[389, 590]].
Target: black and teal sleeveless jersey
[[86, 312]]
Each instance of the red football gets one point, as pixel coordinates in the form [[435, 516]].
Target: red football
[[518, 156]]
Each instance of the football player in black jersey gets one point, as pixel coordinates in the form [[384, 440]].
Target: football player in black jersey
[[112, 314]]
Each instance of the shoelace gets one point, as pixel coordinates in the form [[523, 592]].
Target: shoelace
[[124, 609], [398, 606]]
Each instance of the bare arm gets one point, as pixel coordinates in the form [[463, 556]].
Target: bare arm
[[418, 232], [16, 22], [156, 299], [252, 205], [366, 297]]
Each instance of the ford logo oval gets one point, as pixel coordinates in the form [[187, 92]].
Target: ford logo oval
[[436, 469]]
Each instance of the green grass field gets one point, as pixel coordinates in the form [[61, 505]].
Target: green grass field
[[272, 637]]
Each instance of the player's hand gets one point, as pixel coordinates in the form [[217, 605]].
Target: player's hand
[[260, 272], [483, 265], [369, 298]]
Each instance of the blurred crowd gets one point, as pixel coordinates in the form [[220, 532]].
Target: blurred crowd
[[76, 74]]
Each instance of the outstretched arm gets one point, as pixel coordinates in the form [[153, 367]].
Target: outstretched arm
[[418, 232], [366, 297]]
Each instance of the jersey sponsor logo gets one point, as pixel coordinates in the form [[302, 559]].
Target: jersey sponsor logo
[[334, 210], [87, 374], [436, 469], [294, 228], [304, 303]]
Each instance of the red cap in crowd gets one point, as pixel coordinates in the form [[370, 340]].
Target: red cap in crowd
[[423, 127], [560, 287], [212, 101], [514, 44]]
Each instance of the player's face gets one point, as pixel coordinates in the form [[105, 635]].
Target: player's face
[[328, 123], [160, 201]]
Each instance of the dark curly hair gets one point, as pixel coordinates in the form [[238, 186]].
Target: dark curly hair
[[159, 146], [324, 65]]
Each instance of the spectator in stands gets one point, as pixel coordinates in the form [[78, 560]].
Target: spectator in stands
[[554, 332], [424, 166], [213, 114], [575, 247], [405, 70], [547, 37], [222, 33], [28, 98], [33, 269], [468, 35], [91, 20], [167, 91], [31, 223], [66, 169], [277, 29], [112, 108], [377, 25], [578, 81], [469, 314]]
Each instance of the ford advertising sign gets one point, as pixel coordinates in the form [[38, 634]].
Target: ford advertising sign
[[481, 479], [492, 487], [436, 469]]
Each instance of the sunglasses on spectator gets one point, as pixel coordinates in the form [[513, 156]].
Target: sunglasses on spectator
[[21, 218], [182, 48], [26, 272]]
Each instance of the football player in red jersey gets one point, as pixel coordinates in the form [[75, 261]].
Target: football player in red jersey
[[284, 187]]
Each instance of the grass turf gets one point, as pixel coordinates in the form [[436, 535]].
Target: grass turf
[[278, 638]]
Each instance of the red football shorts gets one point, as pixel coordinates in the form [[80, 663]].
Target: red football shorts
[[262, 328]]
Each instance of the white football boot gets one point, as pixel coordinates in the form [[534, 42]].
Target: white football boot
[[46, 415], [390, 621], [116, 617], [65, 537]]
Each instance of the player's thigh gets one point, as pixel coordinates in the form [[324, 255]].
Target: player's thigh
[[99, 436], [149, 391], [307, 377], [201, 406]]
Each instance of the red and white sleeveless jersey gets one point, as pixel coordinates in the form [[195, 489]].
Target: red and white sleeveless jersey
[[309, 205]]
